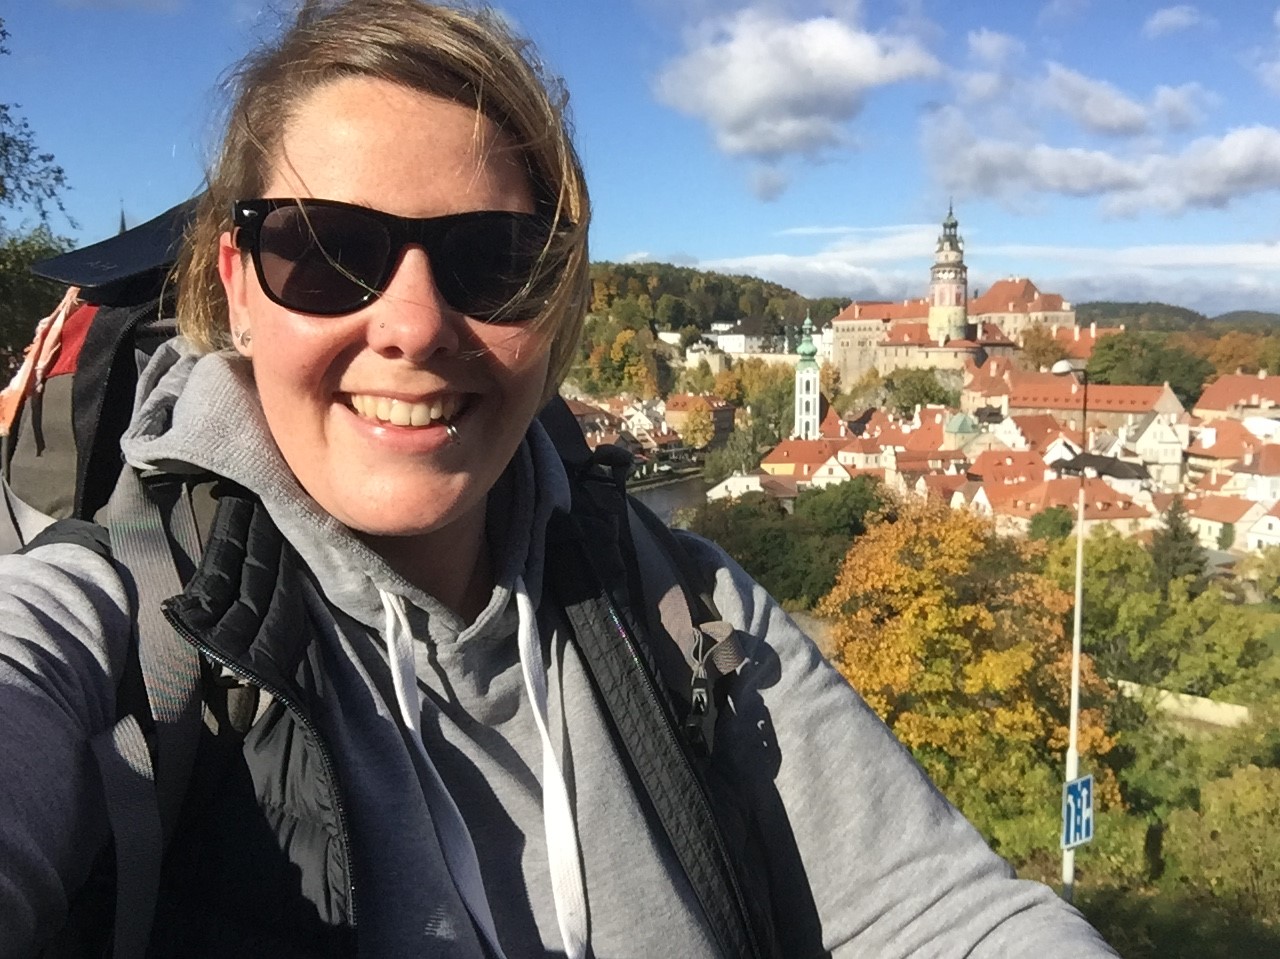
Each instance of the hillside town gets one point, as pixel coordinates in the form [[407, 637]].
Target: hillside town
[[1018, 443]]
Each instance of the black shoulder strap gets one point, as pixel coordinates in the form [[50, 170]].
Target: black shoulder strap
[[628, 684]]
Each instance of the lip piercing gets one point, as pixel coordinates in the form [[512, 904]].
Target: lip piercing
[[453, 433]]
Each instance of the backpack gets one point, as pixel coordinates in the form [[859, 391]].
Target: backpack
[[660, 677]]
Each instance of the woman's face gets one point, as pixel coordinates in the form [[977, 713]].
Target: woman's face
[[332, 385]]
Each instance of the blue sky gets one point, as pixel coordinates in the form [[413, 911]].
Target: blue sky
[[1106, 150]]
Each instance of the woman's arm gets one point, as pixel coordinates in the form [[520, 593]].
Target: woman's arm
[[64, 633], [891, 867]]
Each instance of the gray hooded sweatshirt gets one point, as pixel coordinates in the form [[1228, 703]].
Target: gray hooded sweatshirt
[[450, 786]]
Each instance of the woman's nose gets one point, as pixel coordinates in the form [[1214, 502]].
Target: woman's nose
[[410, 318]]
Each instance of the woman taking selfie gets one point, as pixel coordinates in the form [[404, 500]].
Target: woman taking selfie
[[383, 286]]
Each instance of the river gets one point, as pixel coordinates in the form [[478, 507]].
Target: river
[[669, 497]]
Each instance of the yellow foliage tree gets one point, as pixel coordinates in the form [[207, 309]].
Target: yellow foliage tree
[[622, 346], [698, 429], [829, 379], [956, 639], [728, 386], [1039, 349]]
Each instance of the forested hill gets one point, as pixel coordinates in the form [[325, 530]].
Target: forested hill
[[1140, 316], [676, 297], [1164, 317], [1257, 321]]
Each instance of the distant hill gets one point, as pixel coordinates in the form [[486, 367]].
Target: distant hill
[[1139, 316], [677, 297], [1251, 320]]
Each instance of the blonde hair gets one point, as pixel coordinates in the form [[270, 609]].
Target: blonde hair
[[466, 56]]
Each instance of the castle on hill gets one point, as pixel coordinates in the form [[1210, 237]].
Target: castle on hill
[[945, 330]]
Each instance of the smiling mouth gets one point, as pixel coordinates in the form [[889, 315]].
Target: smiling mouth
[[395, 412]]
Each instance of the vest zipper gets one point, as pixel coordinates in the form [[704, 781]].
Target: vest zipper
[[703, 801], [325, 759]]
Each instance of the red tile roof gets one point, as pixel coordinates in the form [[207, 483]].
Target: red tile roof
[[578, 408], [832, 426], [1078, 342], [1223, 439], [1238, 390], [1051, 392], [1265, 461], [875, 310], [866, 445], [1040, 429], [944, 485], [1213, 481], [991, 335], [922, 461], [1015, 295], [1026, 499], [805, 455], [1007, 466], [1220, 509], [908, 334]]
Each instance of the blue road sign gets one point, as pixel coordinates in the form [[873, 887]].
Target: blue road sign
[[1077, 812]]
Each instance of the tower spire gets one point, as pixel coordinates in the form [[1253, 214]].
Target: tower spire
[[808, 399]]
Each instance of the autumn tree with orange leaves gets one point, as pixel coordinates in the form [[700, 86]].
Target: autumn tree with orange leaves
[[953, 635]]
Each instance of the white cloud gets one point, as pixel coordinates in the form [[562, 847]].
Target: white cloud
[[1058, 10], [1183, 106], [1172, 19], [993, 48], [1212, 278], [1210, 172], [993, 54], [769, 87], [975, 166], [1096, 105]]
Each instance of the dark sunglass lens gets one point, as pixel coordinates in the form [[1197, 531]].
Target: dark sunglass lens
[[319, 259], [484, 261]]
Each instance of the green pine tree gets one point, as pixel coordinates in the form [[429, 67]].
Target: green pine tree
[[1176, 552]]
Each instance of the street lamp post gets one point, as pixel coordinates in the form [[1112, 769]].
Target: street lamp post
[[1063, 368]]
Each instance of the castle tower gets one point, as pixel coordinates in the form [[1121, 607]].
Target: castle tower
[[948, 285], [808, 416]]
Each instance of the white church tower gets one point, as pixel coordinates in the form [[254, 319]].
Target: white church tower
[[948, 285], [808, 416]]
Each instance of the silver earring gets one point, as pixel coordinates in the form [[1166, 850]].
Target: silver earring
[[244, 337]]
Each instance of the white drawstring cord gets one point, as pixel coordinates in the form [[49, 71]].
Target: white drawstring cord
[[451, 829], [563, 857]]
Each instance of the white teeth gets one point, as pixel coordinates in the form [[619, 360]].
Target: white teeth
[[400, 413]]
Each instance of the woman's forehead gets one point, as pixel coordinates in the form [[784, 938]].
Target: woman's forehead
[[374, 141]]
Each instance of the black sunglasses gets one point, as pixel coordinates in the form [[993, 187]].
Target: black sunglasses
[[329, 258]]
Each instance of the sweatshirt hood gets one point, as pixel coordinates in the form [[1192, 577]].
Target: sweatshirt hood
[[198, 413]]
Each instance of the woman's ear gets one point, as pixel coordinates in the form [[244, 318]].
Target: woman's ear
[[233, 271]]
